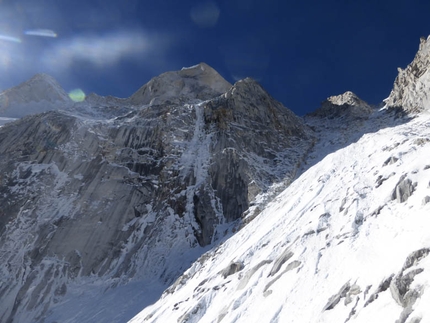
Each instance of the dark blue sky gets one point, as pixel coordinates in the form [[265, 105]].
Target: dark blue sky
[[300, 51]]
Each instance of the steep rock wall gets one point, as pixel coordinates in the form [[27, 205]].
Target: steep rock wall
[[130, 196]]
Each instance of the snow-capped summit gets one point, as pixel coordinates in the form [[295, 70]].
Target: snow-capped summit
[[199, 82], [40, 93], [411, 90]]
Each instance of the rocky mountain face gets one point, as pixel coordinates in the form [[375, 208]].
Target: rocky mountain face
[[103, 194], [410, 91]]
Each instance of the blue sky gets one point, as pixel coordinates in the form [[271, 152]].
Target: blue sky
[[300, 51]]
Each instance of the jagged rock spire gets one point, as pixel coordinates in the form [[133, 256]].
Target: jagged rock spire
[[412, 85]]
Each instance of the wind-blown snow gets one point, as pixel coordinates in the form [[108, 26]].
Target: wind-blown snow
[[322, 249]]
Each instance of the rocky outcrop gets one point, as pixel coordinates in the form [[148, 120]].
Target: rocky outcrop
[[411, 87], [346, 105], [403, 190], [133, 192]]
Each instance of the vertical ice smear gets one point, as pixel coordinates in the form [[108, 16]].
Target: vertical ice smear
[[196, 157]]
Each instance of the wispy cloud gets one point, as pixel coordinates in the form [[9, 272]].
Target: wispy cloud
[[100, 50]]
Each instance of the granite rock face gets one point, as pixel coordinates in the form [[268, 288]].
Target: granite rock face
[[135, 190], [412, 84]]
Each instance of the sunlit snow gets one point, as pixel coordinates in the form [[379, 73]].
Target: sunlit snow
[[337, 226]]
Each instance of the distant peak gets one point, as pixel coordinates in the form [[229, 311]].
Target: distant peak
[[347, 104], [348, 98], [38, 94], [41, 76]]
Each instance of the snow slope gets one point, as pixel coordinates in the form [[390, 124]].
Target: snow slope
[[345, 242]]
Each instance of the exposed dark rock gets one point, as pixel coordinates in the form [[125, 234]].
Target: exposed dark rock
[[400, 291], [231, 269], [245, 279], [383, 286], [335, 299], [292, 265], [426, 199], [354, 290], [342, 205], [381, 179], [401, 283], [285, 256], [403, 190], [415, 257], [390, 161], [377, 211], [353, 310], [421, 141], [323, 222]]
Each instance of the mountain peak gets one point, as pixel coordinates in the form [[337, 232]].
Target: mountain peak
[[40, 93], [412, 83], [198, 82], [348, 98], [347, 104]]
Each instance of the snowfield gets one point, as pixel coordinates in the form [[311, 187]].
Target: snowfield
[[347, 241]]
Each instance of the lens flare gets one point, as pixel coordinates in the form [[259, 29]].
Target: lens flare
[[77, 95], [10, 38], [205, 14], [41, 33]]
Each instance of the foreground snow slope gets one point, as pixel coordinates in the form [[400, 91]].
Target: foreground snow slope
[[347, 241]]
